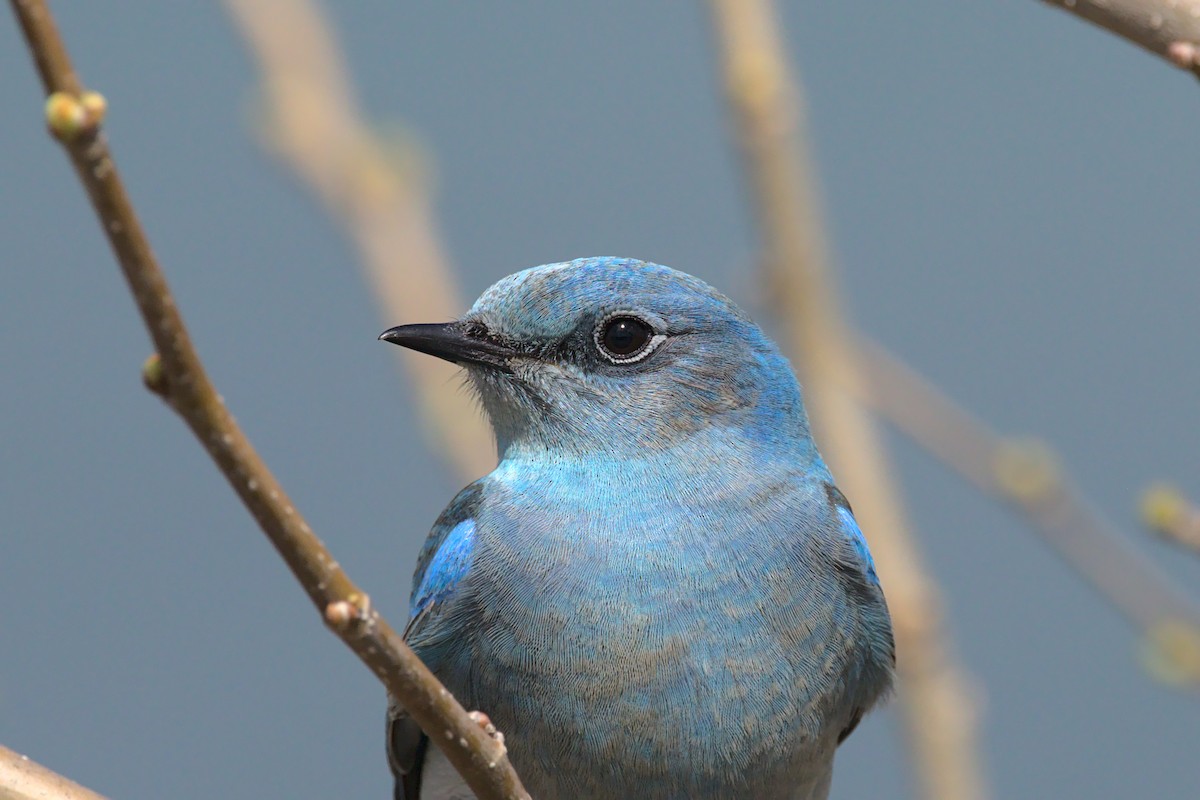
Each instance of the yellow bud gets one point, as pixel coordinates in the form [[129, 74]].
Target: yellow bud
[[68, 116], [1163, 507], [1172, 653], [153, 375], [95, 105], [1026, 470], [65, 115]]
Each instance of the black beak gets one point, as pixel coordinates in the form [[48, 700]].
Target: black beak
[[453, 341]]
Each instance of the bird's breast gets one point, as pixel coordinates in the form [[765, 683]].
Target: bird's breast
[[668, 644]]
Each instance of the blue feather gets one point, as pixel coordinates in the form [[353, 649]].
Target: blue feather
[[850, 526], [448, 566]]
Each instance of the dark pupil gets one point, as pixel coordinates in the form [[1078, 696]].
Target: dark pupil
[[625, 337]]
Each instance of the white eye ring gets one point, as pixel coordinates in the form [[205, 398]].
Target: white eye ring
[[639, 328]]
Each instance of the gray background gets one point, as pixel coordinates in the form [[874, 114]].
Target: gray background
[[1012, 200]]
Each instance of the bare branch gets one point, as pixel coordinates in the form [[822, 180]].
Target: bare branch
[[1168, 28], [1025, 472], [311, 120], [939, 709], [177, 375], [23, 779]]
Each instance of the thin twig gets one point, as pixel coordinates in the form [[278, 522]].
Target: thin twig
[[939, 709], [312, 121], [23, 779], [1168, 28], [177, 375], [1026, 473]]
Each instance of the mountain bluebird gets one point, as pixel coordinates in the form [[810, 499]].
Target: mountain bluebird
[[659, 592]]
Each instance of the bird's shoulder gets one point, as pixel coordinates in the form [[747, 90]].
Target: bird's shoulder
[[851, 552], [817, 516], [445, 560], [871, 677], [448, 552]]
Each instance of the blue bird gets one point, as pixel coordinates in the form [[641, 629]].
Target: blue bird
[[659, 592]]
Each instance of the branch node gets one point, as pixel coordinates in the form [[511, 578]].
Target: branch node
[[1183, 54], [343, 614], [1163, 508], [1166, 512], [154, 376], [1172, 653], [70, 117], [1027, 472], [485, 723]]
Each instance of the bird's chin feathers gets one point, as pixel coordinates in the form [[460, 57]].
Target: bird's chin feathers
[[524, 405]]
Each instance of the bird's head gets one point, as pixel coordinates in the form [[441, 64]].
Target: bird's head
[[616, 356]]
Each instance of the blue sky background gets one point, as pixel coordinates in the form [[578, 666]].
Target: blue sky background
[[1012, 203]]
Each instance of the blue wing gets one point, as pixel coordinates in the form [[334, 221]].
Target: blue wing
[[856, 570], [853, 534], [450, 563], [445, 560], [858, 541]]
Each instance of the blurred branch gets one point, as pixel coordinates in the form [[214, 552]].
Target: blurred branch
[[1168, 28], [312, 121], [939, 709], [22, 779], [1172, 516], [177, 375], [1026, 473]]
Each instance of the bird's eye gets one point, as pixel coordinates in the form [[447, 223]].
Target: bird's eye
[[624, 339]]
